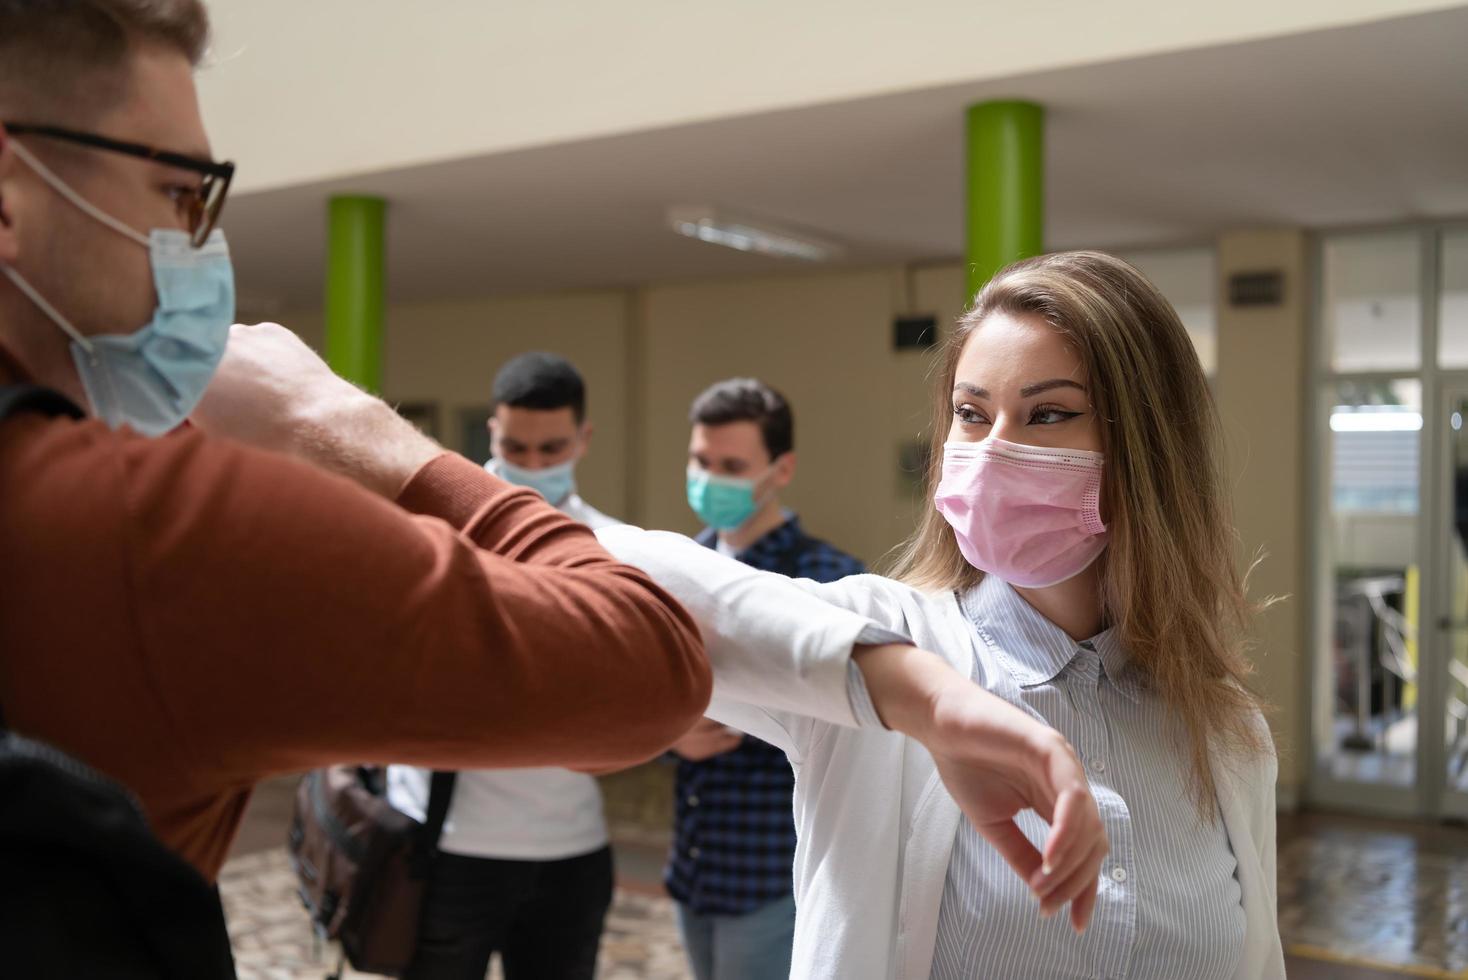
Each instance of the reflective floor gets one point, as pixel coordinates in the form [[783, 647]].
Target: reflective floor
[[1389, 893], [1359, 900]]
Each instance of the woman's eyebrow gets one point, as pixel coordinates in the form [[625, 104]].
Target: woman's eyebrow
[[1030, 390], [1042, 386]]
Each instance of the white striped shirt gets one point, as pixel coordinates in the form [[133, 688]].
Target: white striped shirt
[[1170, 902]]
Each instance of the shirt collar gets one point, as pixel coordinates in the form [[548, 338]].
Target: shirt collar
[[1033, 649]]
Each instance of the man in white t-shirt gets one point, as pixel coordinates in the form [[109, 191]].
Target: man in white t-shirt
[[524, 868]]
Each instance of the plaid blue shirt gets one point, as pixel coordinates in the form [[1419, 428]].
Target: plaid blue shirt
[[734, 833]]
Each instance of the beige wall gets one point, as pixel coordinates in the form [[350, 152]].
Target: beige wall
[[1261, 389]]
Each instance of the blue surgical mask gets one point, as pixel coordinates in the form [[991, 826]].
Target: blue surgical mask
[[722, 502], [554, 483], [151, 379]]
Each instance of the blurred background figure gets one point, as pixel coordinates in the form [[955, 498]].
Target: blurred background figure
[[524, 869], [539, 432], [734, 836]]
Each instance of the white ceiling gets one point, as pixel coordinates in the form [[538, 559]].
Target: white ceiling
[[1354, 125]]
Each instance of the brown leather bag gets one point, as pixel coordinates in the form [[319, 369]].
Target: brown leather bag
[[361, 866]]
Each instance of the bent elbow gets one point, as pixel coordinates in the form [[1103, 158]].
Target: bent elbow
[[677, 683]]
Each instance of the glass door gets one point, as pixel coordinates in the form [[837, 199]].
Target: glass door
[[1368, 683], [1390, 665], [1369, 524]]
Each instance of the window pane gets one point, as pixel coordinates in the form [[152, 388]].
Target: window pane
[[1371, 683], [1371, 301], [1453, 304], [1186, 276]]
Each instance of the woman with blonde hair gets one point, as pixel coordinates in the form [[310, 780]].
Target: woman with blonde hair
[[1077, 573]]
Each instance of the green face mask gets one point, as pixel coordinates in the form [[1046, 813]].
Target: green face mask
[[721, 502]]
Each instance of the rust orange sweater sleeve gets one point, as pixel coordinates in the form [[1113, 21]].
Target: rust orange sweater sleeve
[[296, 620], [188, 616]]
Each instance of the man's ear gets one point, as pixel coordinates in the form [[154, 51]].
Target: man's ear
[[784, 469], [9, 242], [585, 437]]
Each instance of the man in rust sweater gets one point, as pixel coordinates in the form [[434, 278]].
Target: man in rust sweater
[[189, 614]]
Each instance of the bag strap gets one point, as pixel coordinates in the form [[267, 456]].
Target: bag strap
[[440, 795], [15, 399]]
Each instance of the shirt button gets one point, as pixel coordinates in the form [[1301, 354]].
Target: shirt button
[[1118, 874], [1100, 765], [694, 852], [693, 801]]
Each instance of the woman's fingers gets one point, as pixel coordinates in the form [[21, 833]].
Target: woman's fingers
[[1079, 886], [1011, 843], [1084, 905], [1075, 833]]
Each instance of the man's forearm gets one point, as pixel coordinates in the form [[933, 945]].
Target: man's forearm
[[362, 438]]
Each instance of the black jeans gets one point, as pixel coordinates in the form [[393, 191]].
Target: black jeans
[[544, 918]]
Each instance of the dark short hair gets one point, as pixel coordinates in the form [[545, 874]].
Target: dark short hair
[[748, 400], [541, 381], [67, 60]]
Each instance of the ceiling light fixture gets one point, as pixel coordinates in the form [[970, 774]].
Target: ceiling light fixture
[[707, 225]]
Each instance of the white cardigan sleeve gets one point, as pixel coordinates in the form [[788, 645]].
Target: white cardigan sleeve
[[779, 654]]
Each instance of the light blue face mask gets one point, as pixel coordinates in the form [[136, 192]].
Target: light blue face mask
[[722, 502], [151, 379], [554, 483]]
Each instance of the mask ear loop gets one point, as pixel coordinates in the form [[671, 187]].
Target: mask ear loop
[[51, 311], [86, 207]]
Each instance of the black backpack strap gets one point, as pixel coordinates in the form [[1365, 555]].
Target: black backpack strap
[[440, 795], [15, 399]]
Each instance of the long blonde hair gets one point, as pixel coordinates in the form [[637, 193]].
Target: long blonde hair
[[1171, 581]]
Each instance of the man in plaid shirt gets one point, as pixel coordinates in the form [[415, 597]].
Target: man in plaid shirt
[[734, 835]]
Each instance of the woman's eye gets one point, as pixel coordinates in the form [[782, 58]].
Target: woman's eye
[[1046, 415], [968, 416]]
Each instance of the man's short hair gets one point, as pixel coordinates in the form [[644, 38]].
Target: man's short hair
[[542, 382], [64, 62], [748, 400]]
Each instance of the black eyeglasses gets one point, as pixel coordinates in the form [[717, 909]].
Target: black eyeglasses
[[201, 208]]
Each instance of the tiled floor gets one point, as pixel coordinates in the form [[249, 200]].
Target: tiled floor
[[273, 942], [1361, 891], [1359, 900]]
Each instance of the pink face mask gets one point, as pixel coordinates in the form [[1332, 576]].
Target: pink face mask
[[1029, 515]]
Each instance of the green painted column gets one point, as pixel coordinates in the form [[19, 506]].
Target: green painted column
[[1006, 187], [356, 232]]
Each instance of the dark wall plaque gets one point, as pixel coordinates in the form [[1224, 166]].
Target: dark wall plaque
[[1264, 288], [914, 332]]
